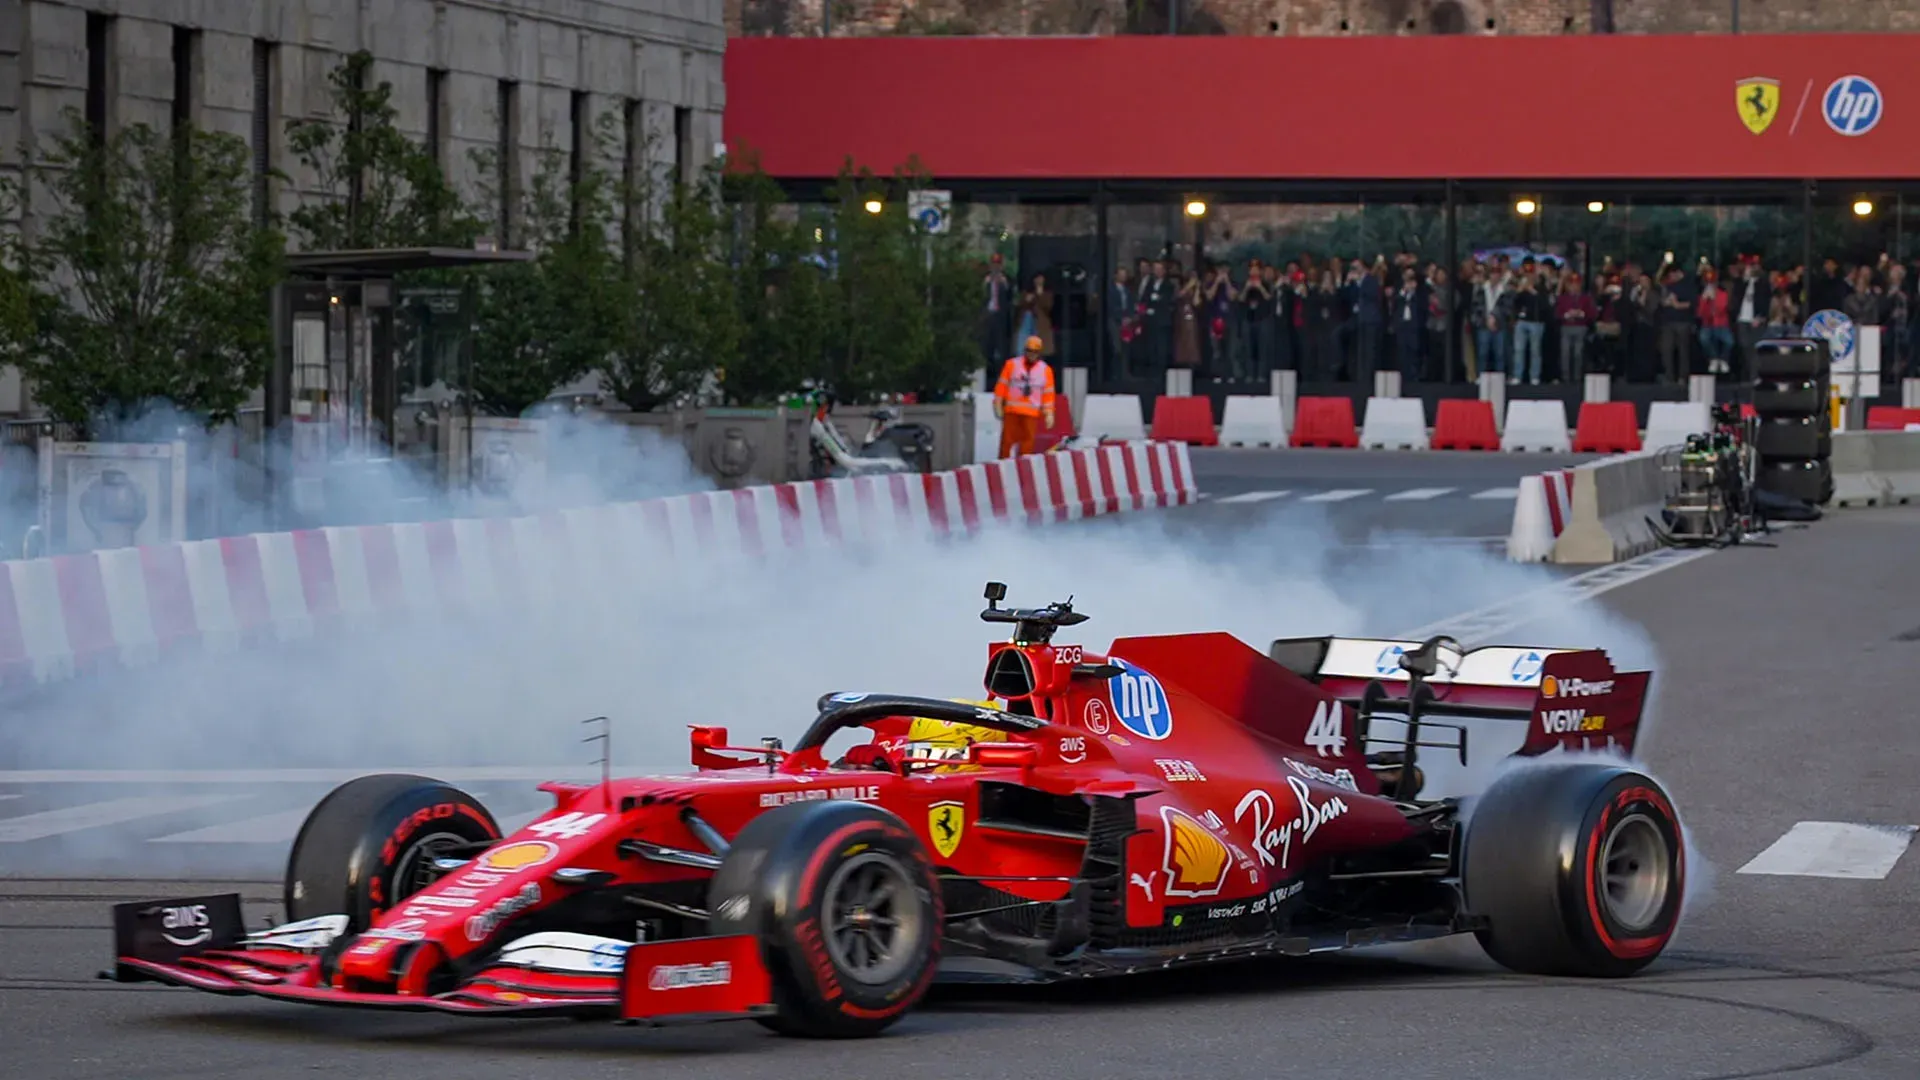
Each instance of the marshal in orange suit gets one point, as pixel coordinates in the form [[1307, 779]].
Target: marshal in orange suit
[[1023, 400]]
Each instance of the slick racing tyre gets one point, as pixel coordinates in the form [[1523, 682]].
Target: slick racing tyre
[[1577, 867], [372, 842], [843, 899]]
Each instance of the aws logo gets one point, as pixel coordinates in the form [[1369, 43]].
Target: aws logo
[[1195, 860]]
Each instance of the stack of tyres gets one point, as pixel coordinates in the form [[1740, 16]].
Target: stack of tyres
[[1795, 438]]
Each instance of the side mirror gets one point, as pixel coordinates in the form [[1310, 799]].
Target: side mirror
[[996, 591]]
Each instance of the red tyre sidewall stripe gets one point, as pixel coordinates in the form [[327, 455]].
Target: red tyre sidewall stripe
[[1629, 948]]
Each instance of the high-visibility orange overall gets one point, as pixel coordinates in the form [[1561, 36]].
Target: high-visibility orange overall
[[1025, 393]]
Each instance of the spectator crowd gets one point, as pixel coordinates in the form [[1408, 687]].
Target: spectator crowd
[[1534, 318]]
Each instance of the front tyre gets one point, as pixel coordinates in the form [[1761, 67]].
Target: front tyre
[[844, 901], [1578, 868], [372, 841]]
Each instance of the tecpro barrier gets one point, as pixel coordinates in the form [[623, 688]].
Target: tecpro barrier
[[76, 614]]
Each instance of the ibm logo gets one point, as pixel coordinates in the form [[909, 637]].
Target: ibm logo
[[1852, 105]]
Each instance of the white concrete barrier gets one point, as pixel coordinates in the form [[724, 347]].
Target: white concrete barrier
[[1113, 416], [986, 429], [1394, 423], [1616, 503], [1253, 420], [1670, 422], [1536, 425], [1540, 514], [1875, 468]]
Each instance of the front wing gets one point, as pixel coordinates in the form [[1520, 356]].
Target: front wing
[[689, 980]]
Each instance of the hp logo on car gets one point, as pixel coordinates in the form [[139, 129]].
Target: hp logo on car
[[1852, 105], [1388, 661], [1140, 701], [1527, 668]]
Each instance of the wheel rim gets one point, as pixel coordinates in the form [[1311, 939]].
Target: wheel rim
[[1634, 872], [873, 922], [414, 870]]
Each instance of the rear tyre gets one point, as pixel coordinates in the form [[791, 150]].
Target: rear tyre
[[844, 901], [372, 841], [1578, 868]]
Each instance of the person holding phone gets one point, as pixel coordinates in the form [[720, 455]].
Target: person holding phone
[[1677, 298]]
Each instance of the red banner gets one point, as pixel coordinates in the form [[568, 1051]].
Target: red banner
[[1816, 106]]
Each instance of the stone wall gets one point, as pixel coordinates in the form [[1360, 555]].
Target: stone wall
[[1321, 17], [662, 55]]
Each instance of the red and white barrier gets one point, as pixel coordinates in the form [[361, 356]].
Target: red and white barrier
[[1540, 515], [74, 614]]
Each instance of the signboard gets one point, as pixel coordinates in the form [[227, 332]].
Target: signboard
[[933, 210], [1855, 352], [1752, 106], [95, 496]]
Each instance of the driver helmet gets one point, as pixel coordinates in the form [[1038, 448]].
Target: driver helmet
[[949, 739]]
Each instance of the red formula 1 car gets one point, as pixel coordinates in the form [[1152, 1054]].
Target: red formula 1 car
[[1181, 799]]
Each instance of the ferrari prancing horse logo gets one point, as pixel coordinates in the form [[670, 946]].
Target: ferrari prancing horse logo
[[1758, 100], [946, 821]]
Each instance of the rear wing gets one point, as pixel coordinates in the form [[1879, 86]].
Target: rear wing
[[1570, 698]]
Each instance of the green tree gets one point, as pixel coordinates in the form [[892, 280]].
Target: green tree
[[150, 277], [379, 188], [16, 296], [545, 323], [683, 317], [786, 297], [879, 268]]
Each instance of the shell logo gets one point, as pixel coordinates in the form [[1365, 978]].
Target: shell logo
[[518, 855], [1549, 687], [1195, 860]]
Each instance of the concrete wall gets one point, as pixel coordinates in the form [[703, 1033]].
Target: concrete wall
[[657, 55]]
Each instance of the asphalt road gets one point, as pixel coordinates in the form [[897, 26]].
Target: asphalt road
[[1783, 699], [1367, 496]]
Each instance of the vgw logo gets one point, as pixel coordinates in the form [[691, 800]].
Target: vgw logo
[[1852, 105]]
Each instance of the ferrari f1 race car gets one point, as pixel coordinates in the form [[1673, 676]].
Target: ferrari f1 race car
[[1179, 800]]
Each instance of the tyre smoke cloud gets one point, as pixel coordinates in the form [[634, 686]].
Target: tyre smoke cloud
[[660, 642]]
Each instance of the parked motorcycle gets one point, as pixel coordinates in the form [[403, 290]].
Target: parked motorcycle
[[890, 445]]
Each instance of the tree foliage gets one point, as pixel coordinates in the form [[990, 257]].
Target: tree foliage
[[16, 296], [683, 320], [378, 188], [150, 279], [546, 323], [789, 320]]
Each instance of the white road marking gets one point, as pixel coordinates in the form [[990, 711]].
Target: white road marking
[[1834, 849], [1417, 494], [5, 797], [265, 829], [49, 823], [1338, 495], [1482, 624], [1507, 493], [1252, 497]]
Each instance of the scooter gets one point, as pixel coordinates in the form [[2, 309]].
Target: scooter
[[890, 445]]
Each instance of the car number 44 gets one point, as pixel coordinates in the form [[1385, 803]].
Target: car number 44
[[566, 826], [1327, 733]]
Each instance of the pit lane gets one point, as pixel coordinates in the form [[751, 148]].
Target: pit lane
[[1782, 696]]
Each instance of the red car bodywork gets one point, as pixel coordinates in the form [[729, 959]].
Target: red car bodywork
[[1181, 798]]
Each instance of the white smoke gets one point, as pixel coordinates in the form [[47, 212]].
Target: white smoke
[[660, 641]]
